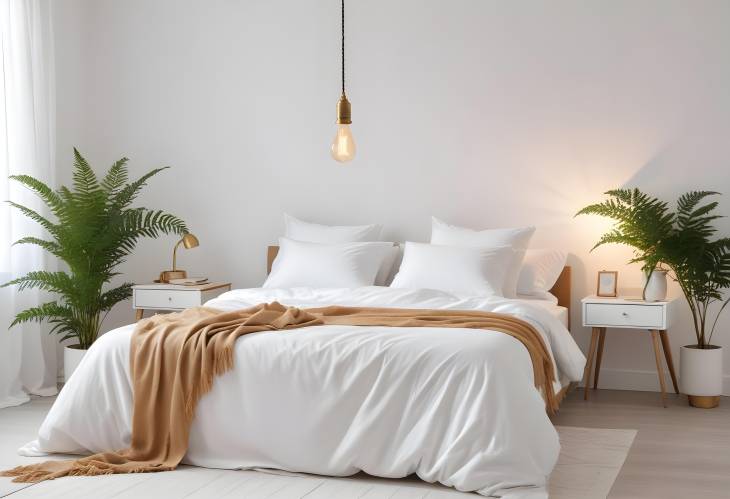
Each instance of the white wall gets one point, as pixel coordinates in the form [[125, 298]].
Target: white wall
[[484, 113]]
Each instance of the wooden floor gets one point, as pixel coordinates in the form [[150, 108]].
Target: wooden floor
[[678, 452]]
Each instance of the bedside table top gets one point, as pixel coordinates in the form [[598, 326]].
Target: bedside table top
[[179, 287], [619, 300]]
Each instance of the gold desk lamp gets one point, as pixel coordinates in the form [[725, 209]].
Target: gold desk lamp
[[189, 241]]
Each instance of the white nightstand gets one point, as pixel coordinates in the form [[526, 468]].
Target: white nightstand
[[601, 313], [174, 297]]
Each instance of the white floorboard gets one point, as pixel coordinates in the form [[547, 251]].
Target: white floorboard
[[588, 466]]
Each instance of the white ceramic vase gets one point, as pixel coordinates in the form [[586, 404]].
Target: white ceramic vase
[[700, 375], [656, 287], [71, 359]]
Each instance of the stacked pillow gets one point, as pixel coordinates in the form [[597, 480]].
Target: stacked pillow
[[317, 265], [315, 233], [516, 239], [469, 271], [540, 270], [325, 256], [459, 260]]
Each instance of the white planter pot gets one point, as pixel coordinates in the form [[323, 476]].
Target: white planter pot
[[700, 375], [71, 360], [656, 287]]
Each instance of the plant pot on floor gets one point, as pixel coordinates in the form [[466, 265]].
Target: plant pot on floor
[[700, 375], [71, 359]]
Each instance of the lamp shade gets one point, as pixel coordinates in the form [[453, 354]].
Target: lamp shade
[[190, 241]]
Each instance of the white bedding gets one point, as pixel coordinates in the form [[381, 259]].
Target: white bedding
[[549, 303], [457, 406]]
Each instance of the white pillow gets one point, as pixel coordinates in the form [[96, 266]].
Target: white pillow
[[540, 269], [518, 239], [457, 270], [316, 233], [385, 272], [315, 265]]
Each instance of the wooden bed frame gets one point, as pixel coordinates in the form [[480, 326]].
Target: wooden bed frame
[[561, 290]]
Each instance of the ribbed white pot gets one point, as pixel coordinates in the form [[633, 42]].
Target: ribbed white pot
[[656, 287], [71, 359], [700, 374]]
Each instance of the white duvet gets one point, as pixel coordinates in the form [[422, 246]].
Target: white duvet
[[456, 406]]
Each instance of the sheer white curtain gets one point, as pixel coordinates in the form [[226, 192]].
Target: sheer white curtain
[[27, 121]]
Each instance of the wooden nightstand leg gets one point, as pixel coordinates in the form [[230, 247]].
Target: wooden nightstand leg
[[668, 356], [599, 356], [139, 313], [589, 362], [659, 368]]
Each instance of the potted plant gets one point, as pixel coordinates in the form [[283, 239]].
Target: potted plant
[[95, 231], [681, 244]]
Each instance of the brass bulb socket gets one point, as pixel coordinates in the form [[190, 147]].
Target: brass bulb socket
[[344, 111]]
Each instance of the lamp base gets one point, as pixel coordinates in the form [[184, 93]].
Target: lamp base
[[168, 275]]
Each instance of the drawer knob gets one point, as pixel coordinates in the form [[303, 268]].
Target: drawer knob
[[625, 314], [169, 298]]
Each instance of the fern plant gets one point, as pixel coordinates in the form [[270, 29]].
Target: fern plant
[[95, 230], [679, 242]]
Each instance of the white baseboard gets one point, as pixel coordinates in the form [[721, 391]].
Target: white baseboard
[[644, 381]]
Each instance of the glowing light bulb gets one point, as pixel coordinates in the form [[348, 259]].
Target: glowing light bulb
[[343, 146]]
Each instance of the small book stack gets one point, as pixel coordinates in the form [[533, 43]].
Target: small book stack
[[189, 281]]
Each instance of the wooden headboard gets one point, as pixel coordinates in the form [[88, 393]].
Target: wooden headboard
[[561, 290]]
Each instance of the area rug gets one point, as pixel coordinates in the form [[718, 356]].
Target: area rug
[[590, 460]]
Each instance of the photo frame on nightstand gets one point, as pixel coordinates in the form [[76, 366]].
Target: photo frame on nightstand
[[607, 285]]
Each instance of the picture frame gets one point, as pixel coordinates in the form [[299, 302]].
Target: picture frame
[[607, 284]]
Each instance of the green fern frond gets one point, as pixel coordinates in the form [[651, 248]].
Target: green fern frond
[[616, 237], [116, 177], [127, 194], [51, 198], [65, 194], [47, 311], [56, 282], [51, 246], [151, 223], [35, 216], [114, 296], [626, 196], [85, 181], [688, 201]]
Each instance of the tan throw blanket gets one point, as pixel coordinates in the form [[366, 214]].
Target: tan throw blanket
[[174, 359]]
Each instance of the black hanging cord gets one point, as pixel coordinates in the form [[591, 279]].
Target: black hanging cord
[[343, 46]]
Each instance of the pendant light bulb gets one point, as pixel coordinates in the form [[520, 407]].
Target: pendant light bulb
[[343, 146]]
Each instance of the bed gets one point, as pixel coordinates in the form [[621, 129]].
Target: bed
[[455, 406], [557, 304]]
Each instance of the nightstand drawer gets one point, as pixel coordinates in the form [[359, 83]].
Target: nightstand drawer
[[166, 299], [623, 315]]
